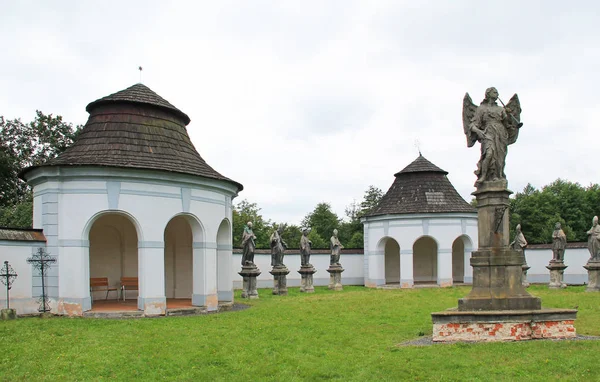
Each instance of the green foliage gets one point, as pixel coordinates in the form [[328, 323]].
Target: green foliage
[[371, 199], [291, 235], [318, 242], [23, 145], [245, 212], [350, 335], [322, 220], [356, 241], [561, 201]]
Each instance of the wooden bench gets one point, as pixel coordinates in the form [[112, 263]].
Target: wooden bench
[[128, 283], [100, 284]]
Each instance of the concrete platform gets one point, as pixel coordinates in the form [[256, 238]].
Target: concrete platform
[[129, 309]]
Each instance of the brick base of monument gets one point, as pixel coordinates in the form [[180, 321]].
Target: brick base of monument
[[493, 326]]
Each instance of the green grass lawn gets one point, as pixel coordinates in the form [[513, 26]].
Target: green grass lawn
[[349, 335]]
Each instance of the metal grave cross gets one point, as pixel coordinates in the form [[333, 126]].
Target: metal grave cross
[[41, 261], [7, 276]]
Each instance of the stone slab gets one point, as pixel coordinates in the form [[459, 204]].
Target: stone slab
[[503, 325]]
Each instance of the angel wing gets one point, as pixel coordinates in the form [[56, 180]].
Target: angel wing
[[468, 113], [513, 109]]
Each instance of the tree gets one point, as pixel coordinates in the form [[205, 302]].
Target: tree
[[371, 199], [23, 145], [291, 235], [245, 212], [322, 220]]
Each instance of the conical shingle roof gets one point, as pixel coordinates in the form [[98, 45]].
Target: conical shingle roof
[[136, 128], [421, 187]]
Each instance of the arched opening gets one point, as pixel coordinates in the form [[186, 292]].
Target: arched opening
[[113, 254], [179, 260], [458, 261], [391, 255], [224, 262], [425, 260]]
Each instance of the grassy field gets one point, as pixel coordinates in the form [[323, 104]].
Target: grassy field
[[349, 335]]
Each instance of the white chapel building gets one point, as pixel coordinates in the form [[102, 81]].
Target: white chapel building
[[422, 231], [131, 198]]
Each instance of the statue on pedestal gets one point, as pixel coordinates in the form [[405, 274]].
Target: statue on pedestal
[[278, 247], [305, 248], [495, 127], [519, 243], [594, 240], [336, 247], [248, 245], [559, 242]]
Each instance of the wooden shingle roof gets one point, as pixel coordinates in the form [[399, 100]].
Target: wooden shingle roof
[[421, 187], [136, 128]]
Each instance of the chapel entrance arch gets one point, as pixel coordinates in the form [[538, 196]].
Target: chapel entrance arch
[[179, 274], [391, 254], [113, 254], [224, 262], [425, 251], [460, 256]]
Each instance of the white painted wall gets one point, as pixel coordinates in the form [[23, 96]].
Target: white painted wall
[[17, 253], [575, 259]]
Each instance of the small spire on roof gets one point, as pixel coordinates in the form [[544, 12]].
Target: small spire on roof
[[418, 146], [140, 69]]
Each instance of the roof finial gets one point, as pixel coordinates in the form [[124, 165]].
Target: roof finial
[[418, 146], [140, 69]]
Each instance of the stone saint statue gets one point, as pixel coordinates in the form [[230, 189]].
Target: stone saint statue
[[336, 247], [278, 246], [305, 248], [248, 245], [559, 242], [519, 243], [594, 240], [495, 127]]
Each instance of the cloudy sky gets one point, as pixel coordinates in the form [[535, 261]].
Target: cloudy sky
[[313, 101]]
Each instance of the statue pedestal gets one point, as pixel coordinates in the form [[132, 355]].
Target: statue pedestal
[[525, 268], [249, 274], [335, 277], [8, 314], [593, 268], [557, 268], [497, 269], [306, 284], [280, 280]]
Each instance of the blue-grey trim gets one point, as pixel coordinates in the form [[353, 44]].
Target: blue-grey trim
[[200, 300], [20, 243], [468, 249], [425, 224], [186, 194], [406, 251], [144, 176], [224, 247], [152, 193], [204, 245], [143, 300], [73, 243], [445, 250], [463, 226], [578, 279], [377, 281], [407, 281], [113, 189], [444, 281], [151, 244], [468, 279], [446, 215], [406, 225], [386, 228], [46, 191], [295, 282], [208, 200], [225, 295]]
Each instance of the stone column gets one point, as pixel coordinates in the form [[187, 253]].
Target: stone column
[[557, 269], [280, 280], [497, 270], [306, 284], [249, 274], [593, 268], [335, 277]]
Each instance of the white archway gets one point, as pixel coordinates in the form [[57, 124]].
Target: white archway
[[425, 259], [224, 262], [391, 257], [461, 254]]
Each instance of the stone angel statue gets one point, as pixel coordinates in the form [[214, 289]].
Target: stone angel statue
[[495, 127]]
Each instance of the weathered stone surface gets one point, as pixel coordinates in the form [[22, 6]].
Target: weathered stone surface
[[280, 280], [525, 268], [557, 269], [490, 326], [593, 268], [8, 314], [306, 283], [335, 277], [249, 274]]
